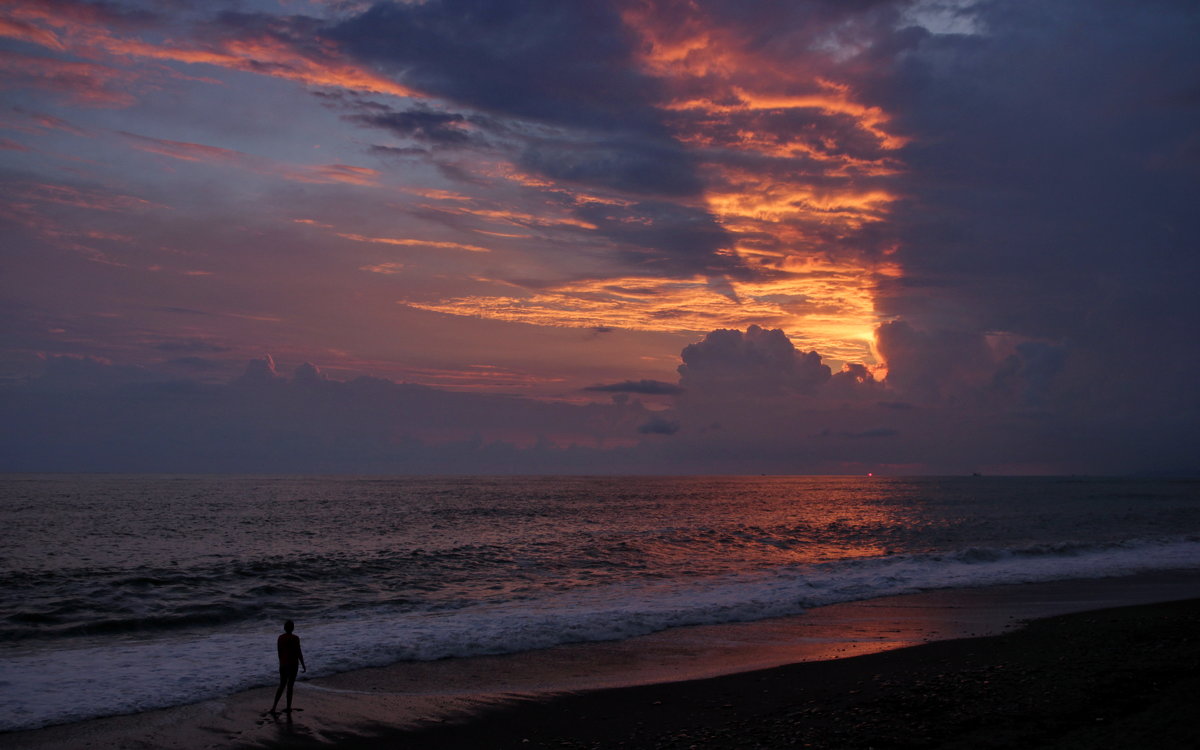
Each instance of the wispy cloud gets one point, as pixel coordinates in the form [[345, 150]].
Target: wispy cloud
[[200, 153], [411, 242]]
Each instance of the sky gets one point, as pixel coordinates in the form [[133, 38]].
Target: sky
[[605, 236]]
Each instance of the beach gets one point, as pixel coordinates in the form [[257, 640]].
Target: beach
[[1115, 665], [1117, 678]]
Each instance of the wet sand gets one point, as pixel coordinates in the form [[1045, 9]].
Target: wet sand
[[927, 670]]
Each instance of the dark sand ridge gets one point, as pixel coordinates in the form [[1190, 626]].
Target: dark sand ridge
[[554, 697]]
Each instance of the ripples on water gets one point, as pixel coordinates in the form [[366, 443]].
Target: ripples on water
[[92, 561], [112, 554]]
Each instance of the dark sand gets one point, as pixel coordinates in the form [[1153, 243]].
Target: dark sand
[[1124, 678], [918, 671]]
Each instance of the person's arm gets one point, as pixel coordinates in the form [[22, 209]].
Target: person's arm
[[300, 653]]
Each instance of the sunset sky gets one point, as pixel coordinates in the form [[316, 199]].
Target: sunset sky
[[494, 236]]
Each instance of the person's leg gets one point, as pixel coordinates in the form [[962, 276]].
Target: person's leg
[[283, 682], [291, 683]]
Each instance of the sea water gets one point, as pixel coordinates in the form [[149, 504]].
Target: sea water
[[121, 594]]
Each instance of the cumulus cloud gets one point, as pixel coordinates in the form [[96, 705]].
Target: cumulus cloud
[[308, 374], [259, 372], [90, 415], [1014, 197], [755, 363]]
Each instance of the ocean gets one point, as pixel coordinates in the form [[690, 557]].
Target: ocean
[[120, 594]]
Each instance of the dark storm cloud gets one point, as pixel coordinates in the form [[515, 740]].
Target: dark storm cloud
[[675, 239], [933, 365], [1045, 188], [561, 63], [645, 387], [981, 404], [569, 104], [630, 164], [1041, 317], [1048, 193], [1030, 375]]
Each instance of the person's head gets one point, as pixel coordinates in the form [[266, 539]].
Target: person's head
[[289, 626]]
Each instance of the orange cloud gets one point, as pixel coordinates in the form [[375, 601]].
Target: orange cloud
[[384, 268], [35, 208], [438, 195], [822, 305], [82, 82], [269, 56], [27, 32], [184, 151], [795, 214], [838, 102], [28, 194], [340, 173], [408, 242], [515, 218], [86, 31]]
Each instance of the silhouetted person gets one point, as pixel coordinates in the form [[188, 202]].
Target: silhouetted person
[[290, 659]]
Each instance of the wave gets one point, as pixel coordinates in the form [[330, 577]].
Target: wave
[[42, 624], [52, 685], [626, 610]]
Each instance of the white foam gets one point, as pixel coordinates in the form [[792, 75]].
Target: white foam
[[68, 684]]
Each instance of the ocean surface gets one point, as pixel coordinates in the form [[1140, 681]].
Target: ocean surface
[[124, 593]]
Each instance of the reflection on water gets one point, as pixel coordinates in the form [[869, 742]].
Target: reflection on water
[[147, 552], [134, 580]]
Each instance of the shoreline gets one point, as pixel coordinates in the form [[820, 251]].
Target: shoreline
[[483, 700], [1118, 678]]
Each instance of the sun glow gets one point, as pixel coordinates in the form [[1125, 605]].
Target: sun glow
[[795, 166], [792, 210], [820, 305]]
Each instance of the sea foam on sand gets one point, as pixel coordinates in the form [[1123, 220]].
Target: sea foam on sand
[[372, 701]]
